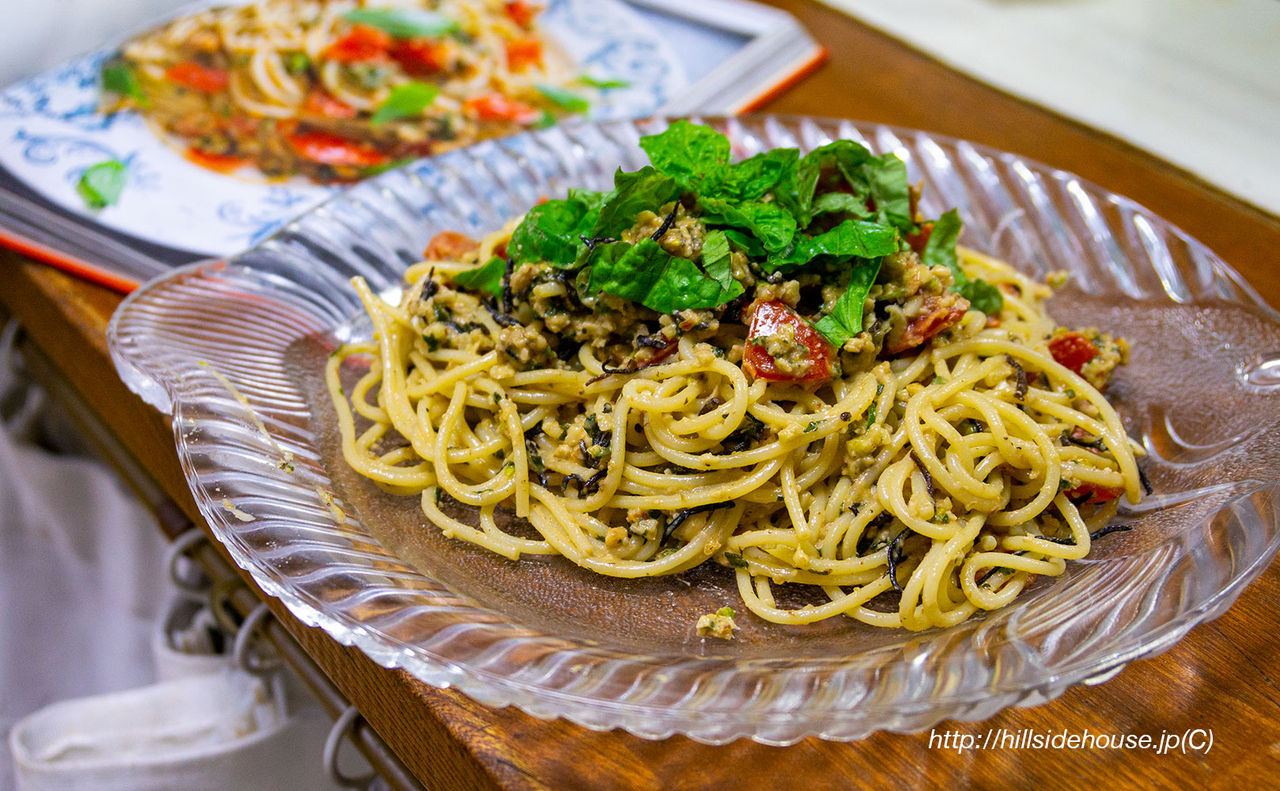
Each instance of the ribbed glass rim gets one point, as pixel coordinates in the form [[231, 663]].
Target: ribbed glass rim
[[1037, 216]]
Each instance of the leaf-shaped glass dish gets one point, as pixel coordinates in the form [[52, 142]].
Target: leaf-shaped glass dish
[[232, 348]]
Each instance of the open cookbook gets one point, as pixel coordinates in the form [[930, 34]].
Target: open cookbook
[[207, 131]]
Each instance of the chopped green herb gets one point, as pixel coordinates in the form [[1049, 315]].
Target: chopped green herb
[[940, 250], [486, 278], [100, 185], [403, 22], [405, 101], [871, 415], [298, 62], [845, 319], [737, 561], [565, 98], [119, 78], [603, 83]]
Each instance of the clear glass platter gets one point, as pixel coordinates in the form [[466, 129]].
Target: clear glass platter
[[1202, 393]]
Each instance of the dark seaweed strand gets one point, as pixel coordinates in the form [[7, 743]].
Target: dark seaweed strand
[[508, 304], [684, 514], [893, 559], [1095, 444], [463, 329], [655, 341], [1094, 536], [501, 318], [566, 480], [1020, 374], [993, 570], [591, 243], [666, 225], [592, 484], [1145, 481], [429, 288], [928, 479]]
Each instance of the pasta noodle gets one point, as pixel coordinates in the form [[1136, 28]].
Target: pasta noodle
[[338, 89], [951, 473]]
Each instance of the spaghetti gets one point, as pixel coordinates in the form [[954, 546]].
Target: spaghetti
[[336, 90], [941, 454]]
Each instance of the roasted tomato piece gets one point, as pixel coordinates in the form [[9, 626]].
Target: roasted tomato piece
[[222, 163], [419, 56], [936, 314], [329, 149], [1092, 494], [449, 246], [1072, 350], [523, 53], [522, 12], [319, 102], [496, 107], [361, 43], [783, 347], [198, 77], [920, 238]]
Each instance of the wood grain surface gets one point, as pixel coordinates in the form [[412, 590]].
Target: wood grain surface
[[1223, 677]]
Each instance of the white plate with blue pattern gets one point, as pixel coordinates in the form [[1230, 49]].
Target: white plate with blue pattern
[[51, 130]]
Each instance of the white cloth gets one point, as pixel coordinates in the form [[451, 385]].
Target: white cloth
[[81, 581], [1191, 82], [84, 610]]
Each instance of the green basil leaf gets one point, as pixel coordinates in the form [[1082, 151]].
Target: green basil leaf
[[100, 185], [604, 84], [562, 97], [403, 22], [795, 188], [405, 101], [982, 296], [633, 193], [751, 178], [486, 278], [845, 319], [840, 202], [716, 262], [887, 183], [550, 231], [119, 78], [745, 242], [647, 274], [297, 62], [770, 223], [851, 238], [692, 154], [940, 250]]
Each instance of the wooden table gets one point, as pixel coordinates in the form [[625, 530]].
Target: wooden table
[[1223, 677]]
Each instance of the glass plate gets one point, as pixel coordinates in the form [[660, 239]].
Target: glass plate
[[1202, 392]]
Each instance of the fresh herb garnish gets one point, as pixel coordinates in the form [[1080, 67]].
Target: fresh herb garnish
[[562, 97], [845, 319], [940, 250], [647, 274], [403, 22], [605, 83], [100, 185], [119, 78], [297, 63], [764, 206], [487, 277], [405, 101]]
